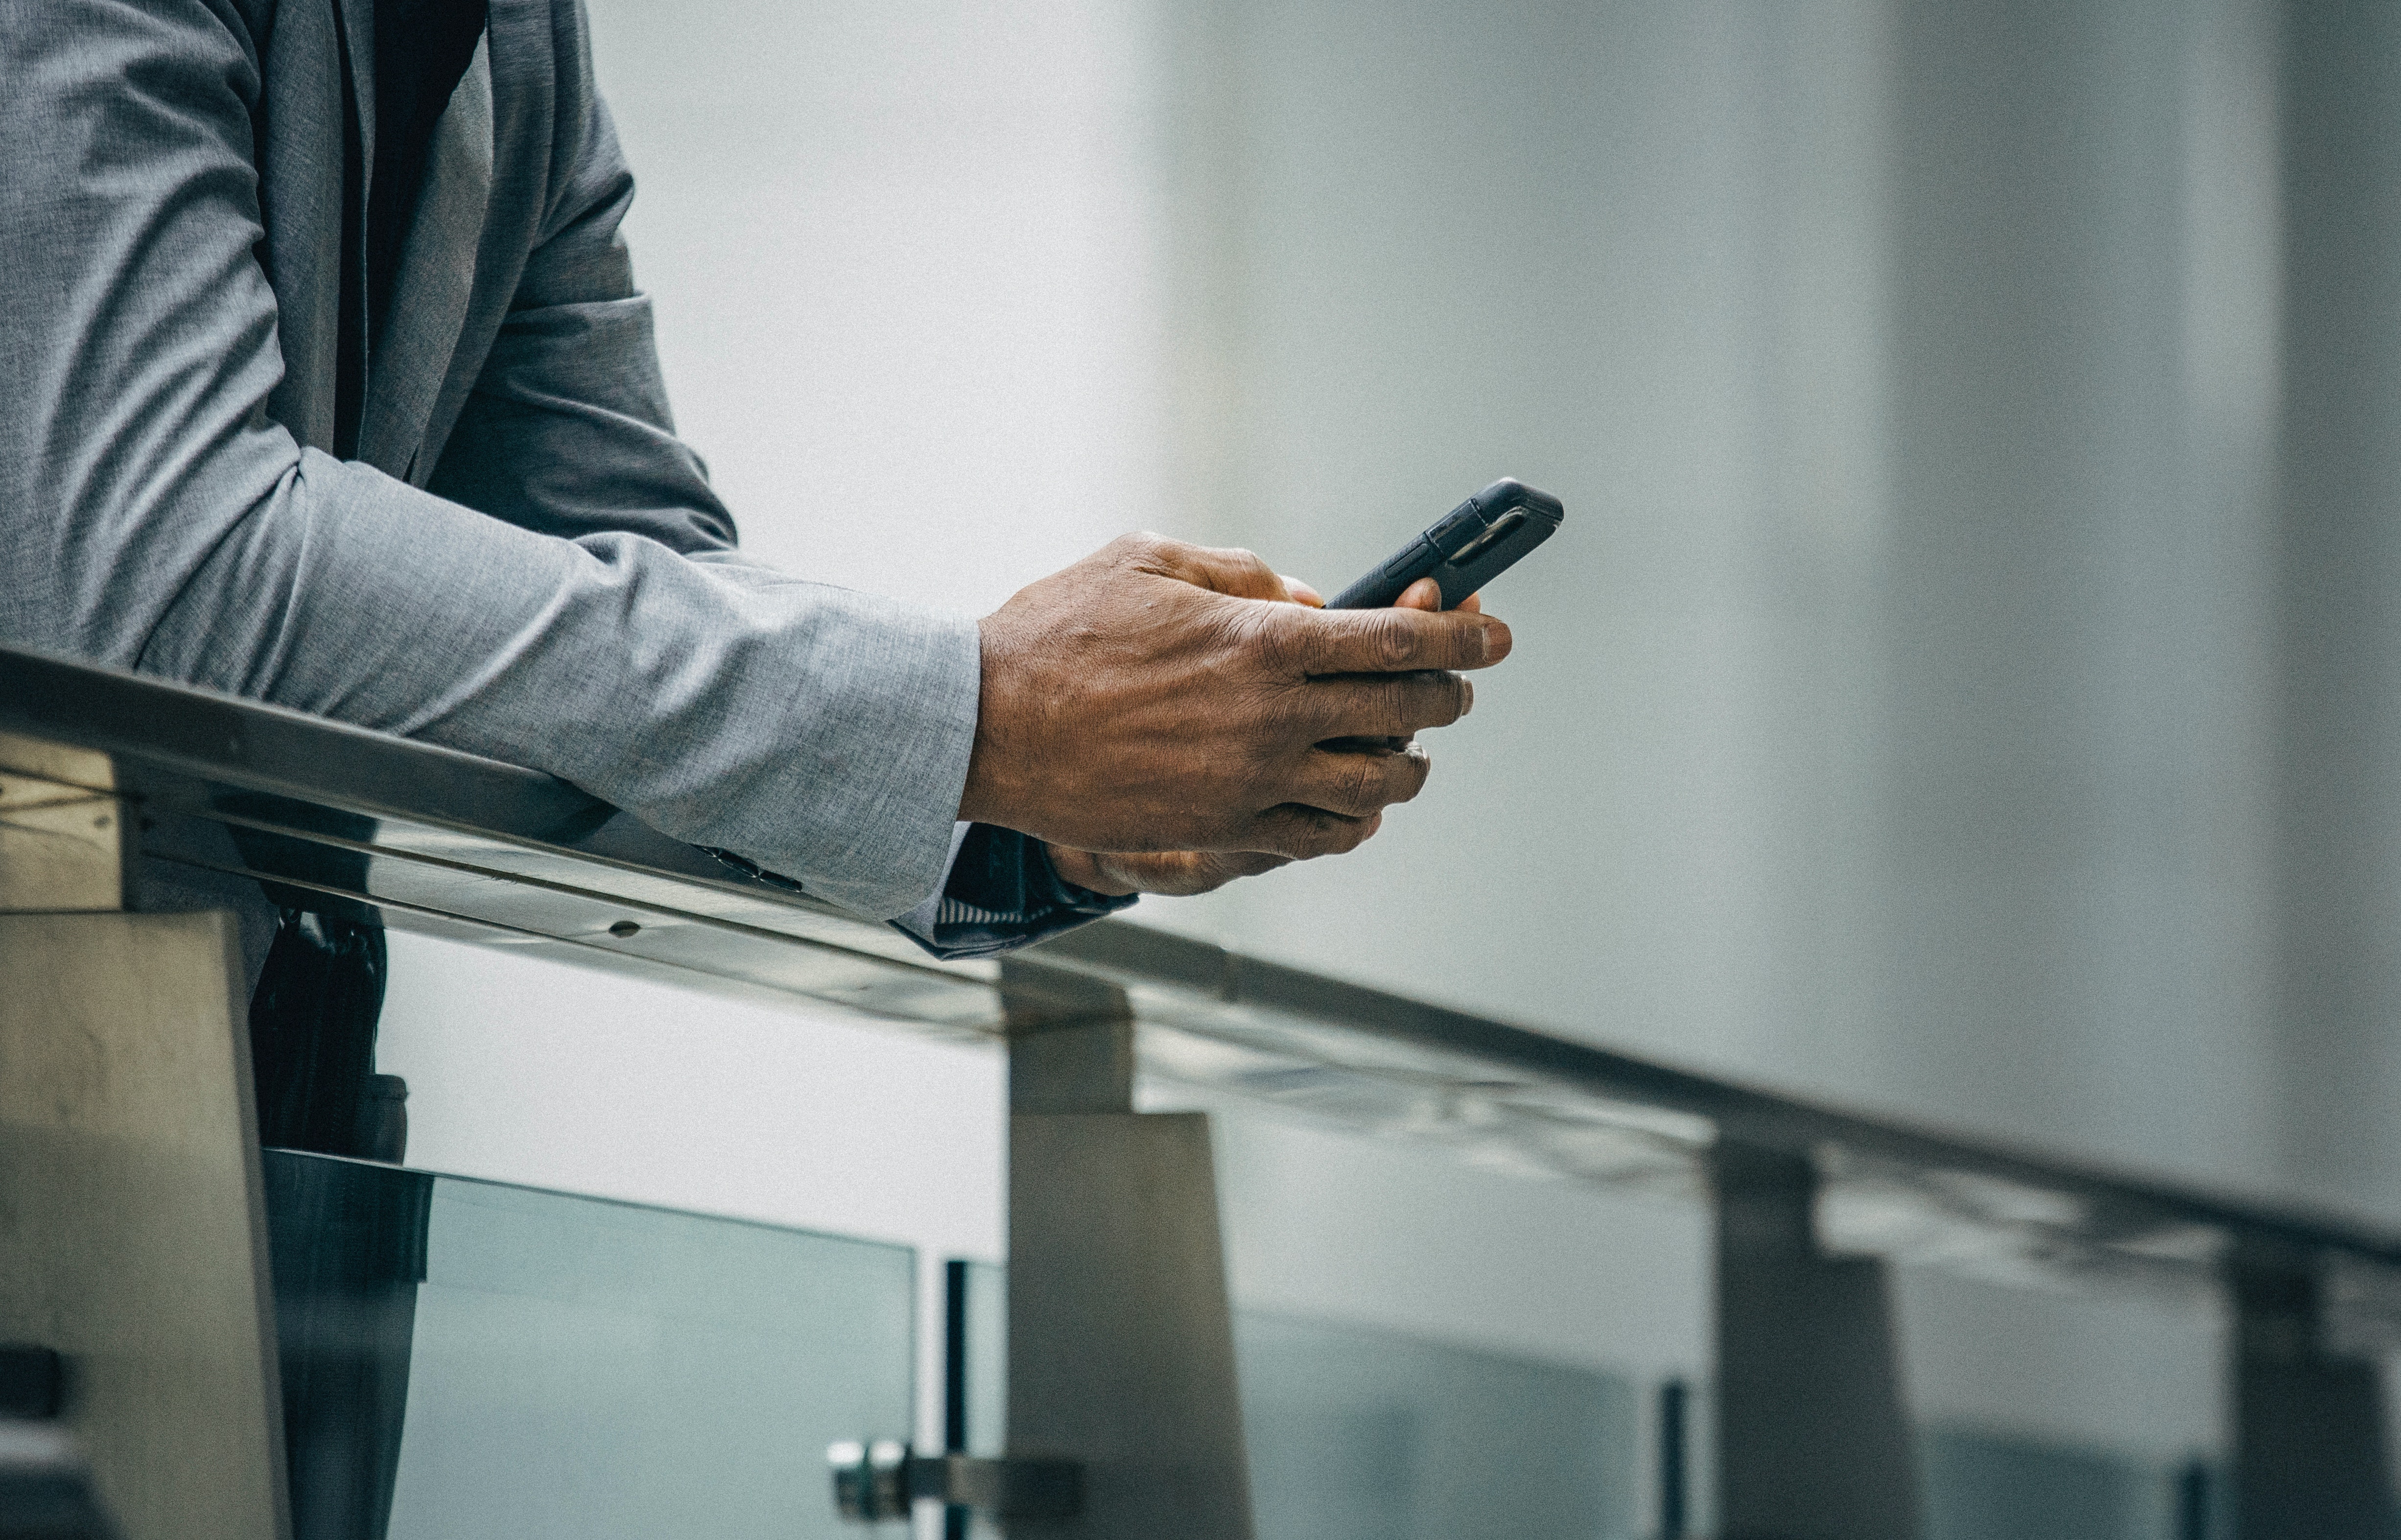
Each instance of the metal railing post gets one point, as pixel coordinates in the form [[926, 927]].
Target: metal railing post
[[1120, 1339], [2310, 1460], [1813, 1443], [129, 1166]]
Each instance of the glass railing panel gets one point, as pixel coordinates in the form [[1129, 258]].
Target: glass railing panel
[[1383, 1436], [985, 1362], [1359, 1435], [1458, 1351], [2063, 1416], [1986, 1485], [1442, 1420], [975, 1391], [486, 1360]]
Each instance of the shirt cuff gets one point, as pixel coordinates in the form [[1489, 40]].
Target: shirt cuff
[[1001, 892]]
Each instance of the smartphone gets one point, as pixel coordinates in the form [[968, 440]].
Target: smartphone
[[1467, 547]]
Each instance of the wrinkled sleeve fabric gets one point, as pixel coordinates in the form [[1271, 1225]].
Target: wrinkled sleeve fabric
[[155, 515]]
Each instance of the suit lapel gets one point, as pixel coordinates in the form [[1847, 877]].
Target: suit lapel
[[520, 45], [356, 20], [320, 140], [421, 335], [302, 203], [358, 54]]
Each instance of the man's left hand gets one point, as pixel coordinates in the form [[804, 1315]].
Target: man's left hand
[[1180, 873]]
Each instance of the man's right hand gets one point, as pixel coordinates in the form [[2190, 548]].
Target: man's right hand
[[1159, 696]]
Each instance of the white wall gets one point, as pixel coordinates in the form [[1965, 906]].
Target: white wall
[[1889, 720], [906, 277]]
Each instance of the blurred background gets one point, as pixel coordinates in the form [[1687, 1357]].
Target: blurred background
[[1968, 686]]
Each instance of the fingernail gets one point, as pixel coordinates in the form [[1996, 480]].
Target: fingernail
[[1468, 704]]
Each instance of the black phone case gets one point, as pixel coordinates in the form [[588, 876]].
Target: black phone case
[[1467, 548]]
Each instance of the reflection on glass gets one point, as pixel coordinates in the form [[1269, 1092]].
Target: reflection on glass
[[976, 1388], [1360, 1435], [986, 1362], [1372, 1435], [569, 1367], [1984, 1485]]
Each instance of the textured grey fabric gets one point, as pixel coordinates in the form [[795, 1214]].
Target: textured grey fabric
[[516, 557]]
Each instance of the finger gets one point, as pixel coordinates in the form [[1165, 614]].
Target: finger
[[1179, 874], [1386, 641], [1425, 593], [1305, 833], [1383, 706], [1302, 593], [1240, 574], [1085, 870], [1357, 785]]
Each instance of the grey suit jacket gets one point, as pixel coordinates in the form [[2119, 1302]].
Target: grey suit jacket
[[517, 558]]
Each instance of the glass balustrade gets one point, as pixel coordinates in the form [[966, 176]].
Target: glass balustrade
[[521, 1365], [524, 1363], [1986, 1485], [1362, 1435]]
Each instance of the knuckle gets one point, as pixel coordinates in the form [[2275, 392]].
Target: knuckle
[[1274, 831], [1257, 776], [1311, 832], [1157, 551], [1278, 637], [1286, 722], [1394, 645], [1363, 789], [1419, 700]]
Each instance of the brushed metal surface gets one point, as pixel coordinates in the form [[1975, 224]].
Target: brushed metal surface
[[131, 1195], [1121, 1341], [2311, 1450], [1813, 1441], [61, 830], [465, 848]]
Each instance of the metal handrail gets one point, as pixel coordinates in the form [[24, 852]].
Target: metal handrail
[[458, 845]]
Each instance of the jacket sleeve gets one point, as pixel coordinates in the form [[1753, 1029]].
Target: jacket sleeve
[[153, 514], [1002, 893]]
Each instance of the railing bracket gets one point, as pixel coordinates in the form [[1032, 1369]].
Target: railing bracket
[[877, 1480]]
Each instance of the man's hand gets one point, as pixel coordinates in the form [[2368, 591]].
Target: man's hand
[[1179, 874], [1173, 874], [1167, 699]]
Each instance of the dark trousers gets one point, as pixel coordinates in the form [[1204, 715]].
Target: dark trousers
[[346, 1242]]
